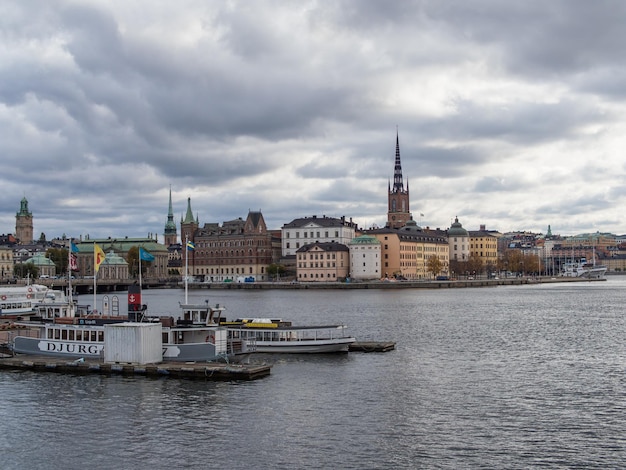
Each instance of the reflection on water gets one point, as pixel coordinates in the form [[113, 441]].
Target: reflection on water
[[507, 377]]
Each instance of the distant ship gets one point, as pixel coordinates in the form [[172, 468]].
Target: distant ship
[[583, 269]]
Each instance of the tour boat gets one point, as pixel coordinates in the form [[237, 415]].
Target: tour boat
[[584, 270], [57, 330], [278, 336], [20, 301]]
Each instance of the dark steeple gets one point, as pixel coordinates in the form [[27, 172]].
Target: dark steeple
[[170, 225], [398, 185], [398, 213]]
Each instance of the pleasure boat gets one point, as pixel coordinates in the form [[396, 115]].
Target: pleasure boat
[[20, 301], [278, 336], [60, 330], [583, 269]]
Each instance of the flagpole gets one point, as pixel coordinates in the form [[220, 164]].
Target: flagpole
[[95, 273], [139, 269], [186, 266], [69, 271]]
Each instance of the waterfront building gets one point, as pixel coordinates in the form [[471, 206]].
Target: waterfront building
[[45, 266], [398, 213], [237, 248], [365, 258], [458, 241], [114, 267], [120, 247], [323, 262], [6, 262], [24, 224], [484, 247], [307, 230], [405, 251]]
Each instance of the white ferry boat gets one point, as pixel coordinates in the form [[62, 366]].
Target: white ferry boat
[[58, 330], [583, 269], [278, 336], [20, 301]]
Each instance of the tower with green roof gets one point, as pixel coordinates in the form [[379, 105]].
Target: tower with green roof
[[24, 224], [170, 234]]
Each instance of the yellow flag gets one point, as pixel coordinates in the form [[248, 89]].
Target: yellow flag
[[98, 257]]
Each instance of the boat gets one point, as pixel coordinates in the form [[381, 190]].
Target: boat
[[583, 269], [20, 301], [278, 336], [60, 329]]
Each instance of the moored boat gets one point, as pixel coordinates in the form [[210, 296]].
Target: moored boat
[[20, 301], [193, 338], [583, 269], [278, 336]]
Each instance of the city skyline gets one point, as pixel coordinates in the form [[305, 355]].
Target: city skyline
[[508, 116]]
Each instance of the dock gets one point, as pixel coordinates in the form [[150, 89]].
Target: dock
[[179, 370], [372, 346]]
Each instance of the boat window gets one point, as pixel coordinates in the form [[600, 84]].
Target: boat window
[[92, 336], [63, 334], [71, 335], [57, 333], [101, 336], [79, 335], [50, 334]]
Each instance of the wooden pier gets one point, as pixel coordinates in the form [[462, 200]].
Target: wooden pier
[[372, 346], [178, 370]]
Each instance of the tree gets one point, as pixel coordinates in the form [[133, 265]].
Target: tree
[[275, 269], [59, 257], [132, 258], [434, 265], [23, 270], [475, 264]]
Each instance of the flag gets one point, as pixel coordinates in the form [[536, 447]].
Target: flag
[[73, 248], [98, 257], [191, 246], [145, 256], [73, 262]]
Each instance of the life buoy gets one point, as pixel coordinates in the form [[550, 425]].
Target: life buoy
[[210, 338], [30, 289], [28, 296], [4, 297]]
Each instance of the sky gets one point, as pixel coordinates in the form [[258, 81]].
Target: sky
[[510, 115]]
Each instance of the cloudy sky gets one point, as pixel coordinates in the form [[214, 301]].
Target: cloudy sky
[[509, 114]]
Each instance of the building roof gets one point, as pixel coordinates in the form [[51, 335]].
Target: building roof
[[457, 230], [319, 222], [325, 246], [365, 240]]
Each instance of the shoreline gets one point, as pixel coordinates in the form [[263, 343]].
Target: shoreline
[[388, 284]]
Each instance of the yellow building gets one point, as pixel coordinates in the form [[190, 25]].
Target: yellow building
[[405, 251], [322, 262], [484, 246]]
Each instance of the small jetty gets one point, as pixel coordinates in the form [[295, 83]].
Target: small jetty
[[178, 370], [372, 346]]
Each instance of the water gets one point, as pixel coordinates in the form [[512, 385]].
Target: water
[[507, 377]]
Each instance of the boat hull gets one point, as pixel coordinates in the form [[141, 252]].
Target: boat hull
[[304, 347]]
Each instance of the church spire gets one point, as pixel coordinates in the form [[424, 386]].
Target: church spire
[[189, 218], [398, 185], [398, 213], [170, 226]]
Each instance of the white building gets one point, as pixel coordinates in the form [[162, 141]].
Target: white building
[[365, 258], [307, 230], [459, 242]]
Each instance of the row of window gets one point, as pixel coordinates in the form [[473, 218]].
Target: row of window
[[318, 265], [316, 255], [311, 234], [76, 335]]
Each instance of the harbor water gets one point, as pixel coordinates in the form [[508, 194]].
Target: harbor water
[[530, 376]]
